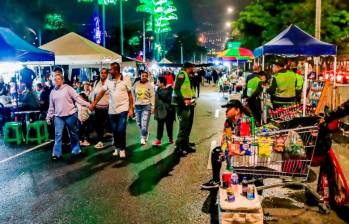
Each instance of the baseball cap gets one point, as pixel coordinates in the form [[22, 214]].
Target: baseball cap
[[233, 103]]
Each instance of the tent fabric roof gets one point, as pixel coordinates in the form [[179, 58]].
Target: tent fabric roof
[[165, 61], [73, 49], [294, 41], [14, 48]]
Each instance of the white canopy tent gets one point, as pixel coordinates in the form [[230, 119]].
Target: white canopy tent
[[165, 61], [77, 51]]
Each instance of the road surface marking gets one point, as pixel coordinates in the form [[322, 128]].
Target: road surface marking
[[24, 152], [216, 114], [213, 145]]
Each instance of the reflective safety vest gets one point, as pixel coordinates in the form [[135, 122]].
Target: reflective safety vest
[[186, 90], [286, 84], [252, 85], [300, 82]]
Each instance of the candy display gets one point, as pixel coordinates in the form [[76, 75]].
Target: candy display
[[288, 113]]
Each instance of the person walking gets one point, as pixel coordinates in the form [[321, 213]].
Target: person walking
[[101, 111], [164, 111], [144, 95], [183, 98], [120, 106], [196, 84], [83, 122], [64, 112]]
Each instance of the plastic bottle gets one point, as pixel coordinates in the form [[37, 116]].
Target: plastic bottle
[[235, 179], [244, 185]]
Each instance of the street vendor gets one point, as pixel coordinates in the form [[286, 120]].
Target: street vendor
[[236, 114], [283, 86]]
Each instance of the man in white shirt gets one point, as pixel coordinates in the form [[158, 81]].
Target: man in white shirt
[[120, 106]]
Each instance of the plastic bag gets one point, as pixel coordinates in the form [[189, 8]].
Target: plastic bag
[[294, 145]]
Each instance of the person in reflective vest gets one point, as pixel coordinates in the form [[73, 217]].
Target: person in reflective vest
[[184, 99], [283, 86], [254, 90]]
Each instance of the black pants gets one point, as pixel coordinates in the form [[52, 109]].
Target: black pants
[[101, 118], [216, 163], [255, 106], [169, 127], [83, 130], [197, 90]]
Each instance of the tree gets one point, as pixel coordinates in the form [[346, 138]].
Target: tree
[[189, 41], [262, 20]]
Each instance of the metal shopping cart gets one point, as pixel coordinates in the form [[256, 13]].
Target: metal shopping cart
[[276, 155]]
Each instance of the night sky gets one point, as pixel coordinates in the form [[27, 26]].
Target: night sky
[[191, 12]]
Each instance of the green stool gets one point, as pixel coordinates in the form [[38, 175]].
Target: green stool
[[17, 128], [40, 127]]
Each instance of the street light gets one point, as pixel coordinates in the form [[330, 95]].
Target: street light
[[230, 10], [228, 24]]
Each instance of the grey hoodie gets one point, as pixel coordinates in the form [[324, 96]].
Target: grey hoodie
[[62, 102]]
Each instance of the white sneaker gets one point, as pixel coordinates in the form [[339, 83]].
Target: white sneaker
[[122, 154], [99, 145], [143, 141], [116, 152]]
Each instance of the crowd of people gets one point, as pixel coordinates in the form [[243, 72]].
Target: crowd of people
[[112, 101]]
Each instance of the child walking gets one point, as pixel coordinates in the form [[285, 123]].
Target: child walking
[[83, 121]]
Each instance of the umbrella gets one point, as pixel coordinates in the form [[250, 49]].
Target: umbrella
[[236, 54]]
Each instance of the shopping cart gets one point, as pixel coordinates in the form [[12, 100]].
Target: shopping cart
[[275, 155]]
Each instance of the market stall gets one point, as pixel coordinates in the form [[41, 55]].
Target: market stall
[[294, 42], [78, 52]]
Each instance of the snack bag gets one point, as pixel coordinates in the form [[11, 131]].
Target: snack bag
[[245, 148], [265, 146]]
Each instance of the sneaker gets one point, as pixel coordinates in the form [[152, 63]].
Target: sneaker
[[123, 154], [190, 149], [85, 143], [116, 152], [157, 142], [143, 141], [181, 152], [210, 185], [56, 158], [99, 145]]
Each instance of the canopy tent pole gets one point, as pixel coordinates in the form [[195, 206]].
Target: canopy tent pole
[[263, 61], [305, 87], [334, 82]]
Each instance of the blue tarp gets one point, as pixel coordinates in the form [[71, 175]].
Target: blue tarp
[[293, 41], [13, 48]]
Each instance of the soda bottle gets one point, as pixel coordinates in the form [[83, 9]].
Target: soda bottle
[[244, 185], [235, 179]]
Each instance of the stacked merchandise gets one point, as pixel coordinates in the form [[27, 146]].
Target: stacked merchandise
[[284, 114]]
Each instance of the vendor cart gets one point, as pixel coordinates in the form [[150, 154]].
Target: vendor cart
[[285, 154]]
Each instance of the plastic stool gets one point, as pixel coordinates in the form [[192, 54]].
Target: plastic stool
[[41, 130], [17, 128]]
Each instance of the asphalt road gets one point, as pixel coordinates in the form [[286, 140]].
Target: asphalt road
[[151, 186]]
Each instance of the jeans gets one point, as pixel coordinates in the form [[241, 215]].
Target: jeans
[[143, 113], [118, 126], [216, 163], [169, 127], [71, 122], [101, 118]]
